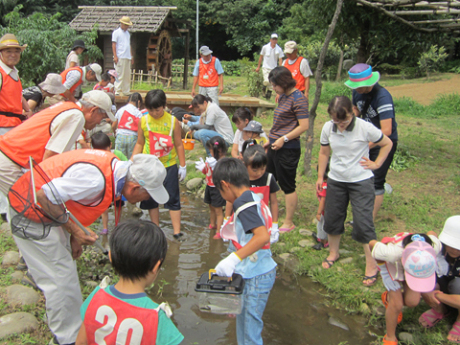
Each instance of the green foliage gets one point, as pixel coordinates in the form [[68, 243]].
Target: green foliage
[[232, 68], [403, 159], [443, 105], [255, 81], [432, 59], [330, 90]]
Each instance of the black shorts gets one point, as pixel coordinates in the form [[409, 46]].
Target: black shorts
[[283, 164], [381, 173], [171, 183], [213, 197], [361, 195]]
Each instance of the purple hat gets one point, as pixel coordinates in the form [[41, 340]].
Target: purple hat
[[361, 75]]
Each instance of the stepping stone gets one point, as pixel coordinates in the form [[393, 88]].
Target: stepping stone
[[194, 183], [306, 243], [10, 258], [346, 261], [285, 256], [305, 232], [406, 337], [17, 323], [334, 322], [5, 228], [23, 295], [344, 252], [294, 249], [16, 277]]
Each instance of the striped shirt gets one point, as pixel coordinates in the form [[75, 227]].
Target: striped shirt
[[290, 110]]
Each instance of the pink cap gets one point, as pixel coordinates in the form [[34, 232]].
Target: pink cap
[[419, 261]]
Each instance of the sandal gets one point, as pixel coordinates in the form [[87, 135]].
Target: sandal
[[373, 278], [431, 317], [455, 331], [385, 303], [388, 342], [329, 262]]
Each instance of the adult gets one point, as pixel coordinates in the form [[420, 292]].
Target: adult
[[272, 56], [213, 121], [48, 133], [122, 56], [299, 67], [289, 122], [209, 75], [12, 103], [35, 95], [88, 181], [374, 104], [350, 178], [73, 60]]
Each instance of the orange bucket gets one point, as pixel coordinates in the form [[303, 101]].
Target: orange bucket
[[189, 144]]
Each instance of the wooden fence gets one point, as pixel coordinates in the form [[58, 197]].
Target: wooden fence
[[152, 77]]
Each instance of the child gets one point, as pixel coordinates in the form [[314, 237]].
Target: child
[[251, 260], [254, 131], [218, 149], [101, 141], [126, 124], [447, 291], [405, 261], [113, 76], [321, 235], [122, 311], [262, 183], [104, 84], [241, 118], [159, 134]]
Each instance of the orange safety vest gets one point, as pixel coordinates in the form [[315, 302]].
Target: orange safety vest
[[64, 77], [55, 167], [10, 101], [30, 138], [295, 71], [208, 74]]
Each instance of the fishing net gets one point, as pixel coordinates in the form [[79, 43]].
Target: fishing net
[[35, 212]]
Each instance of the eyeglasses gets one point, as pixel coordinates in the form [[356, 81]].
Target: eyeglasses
[[341, 122]]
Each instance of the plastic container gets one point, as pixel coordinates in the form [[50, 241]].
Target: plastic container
[[189, 144], [220, 295]]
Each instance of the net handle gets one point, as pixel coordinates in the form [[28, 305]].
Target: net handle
[[34, 192], [80, 225]]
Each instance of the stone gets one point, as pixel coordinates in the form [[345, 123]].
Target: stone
[[378, 310], [194, 183], [17, 323], [5, 227], [346, 261], [305, 232], [136, 212], [285, 256], [10, 258], [23, 295], [334, 322], [281, 244], [294, 249], [406, 337], [339, 269], [344, 252], [364, 309], [91, 283], [16, 276], [306, 243], [314, 221]]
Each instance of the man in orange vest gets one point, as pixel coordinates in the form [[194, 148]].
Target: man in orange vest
[[208, 74], [299, 67], [88, 181]]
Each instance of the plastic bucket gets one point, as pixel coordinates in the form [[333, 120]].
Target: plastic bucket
[[189, 144]]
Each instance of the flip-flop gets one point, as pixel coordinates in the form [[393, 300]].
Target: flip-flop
[[373, 278], [329, 262], [455, 331], [385, 303], [388, 342], [432, 317], [287, 229]]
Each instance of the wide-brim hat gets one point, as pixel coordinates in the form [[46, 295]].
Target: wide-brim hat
[[126, 20], [10, 41], [79, 44], [450, 234], [53, 84], [361, 75]]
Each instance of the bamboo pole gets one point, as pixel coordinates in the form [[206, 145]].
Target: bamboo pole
[[436, 21], [411, 13]]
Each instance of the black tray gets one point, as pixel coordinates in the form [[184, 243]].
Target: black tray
[[217, 284]]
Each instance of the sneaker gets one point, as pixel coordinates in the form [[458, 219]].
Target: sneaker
[[29, 280], [21, 264], [178, 236]]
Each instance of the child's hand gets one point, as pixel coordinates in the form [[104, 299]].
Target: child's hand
[[318, 217], [319, 185], [226, 267], [200, 165], [211, 161]]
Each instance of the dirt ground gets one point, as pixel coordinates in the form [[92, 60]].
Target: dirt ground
[[425, 93]]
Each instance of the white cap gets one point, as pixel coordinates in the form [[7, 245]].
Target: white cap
[[274, 36], [150, 173], [101, 100], [53, 84], [450, 234], [96, 68], [289, 47]]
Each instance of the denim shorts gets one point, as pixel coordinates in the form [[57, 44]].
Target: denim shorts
[[249, 324]]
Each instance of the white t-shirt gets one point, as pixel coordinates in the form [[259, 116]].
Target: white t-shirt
[[240, 141], [304, 67], [348, 148], [72, 57], [133, 111], [216, 117], [271, 56], [122, 40]]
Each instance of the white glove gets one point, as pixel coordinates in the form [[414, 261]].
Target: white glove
[[274, 234], [226, 267], [211, 161], [182, 173], [199, 165]]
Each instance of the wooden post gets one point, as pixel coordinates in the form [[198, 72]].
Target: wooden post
[[156, 77], [141, 77], [187, 40]]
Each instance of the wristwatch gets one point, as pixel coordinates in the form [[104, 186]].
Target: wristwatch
[[286, 139]]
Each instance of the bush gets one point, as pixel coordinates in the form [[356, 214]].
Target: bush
[[443, 105], [408, 106], [330, 90], [255, 81], [231, 68], [431, 60]]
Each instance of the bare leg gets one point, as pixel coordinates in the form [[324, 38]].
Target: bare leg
[[291, 205], [212, 216], [219, 217], [377, 203], [105, 227], [395, 305], [371, 265], [154, 214], [334, 243], [175, 219]]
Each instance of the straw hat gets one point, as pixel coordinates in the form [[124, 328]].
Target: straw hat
[[10, 41], [53, 84], [125, 20]]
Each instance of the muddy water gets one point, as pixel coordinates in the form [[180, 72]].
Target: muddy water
[[294, 314]]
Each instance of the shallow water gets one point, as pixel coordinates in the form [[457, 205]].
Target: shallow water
[[294, 314]]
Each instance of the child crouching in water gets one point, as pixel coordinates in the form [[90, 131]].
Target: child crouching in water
[[321, 235], [406, 262], [218, 148], [253, 260], [122, 311]]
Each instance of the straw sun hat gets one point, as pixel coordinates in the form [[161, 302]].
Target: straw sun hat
[[125, 20], [10, 41]]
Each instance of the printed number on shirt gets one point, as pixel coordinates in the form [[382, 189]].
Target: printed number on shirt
[[129, 329], [128, 121]]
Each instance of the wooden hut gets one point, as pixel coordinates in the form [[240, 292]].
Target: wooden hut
[[153, 27]]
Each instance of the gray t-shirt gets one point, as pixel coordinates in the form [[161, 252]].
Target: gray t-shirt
[[216, 117]]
